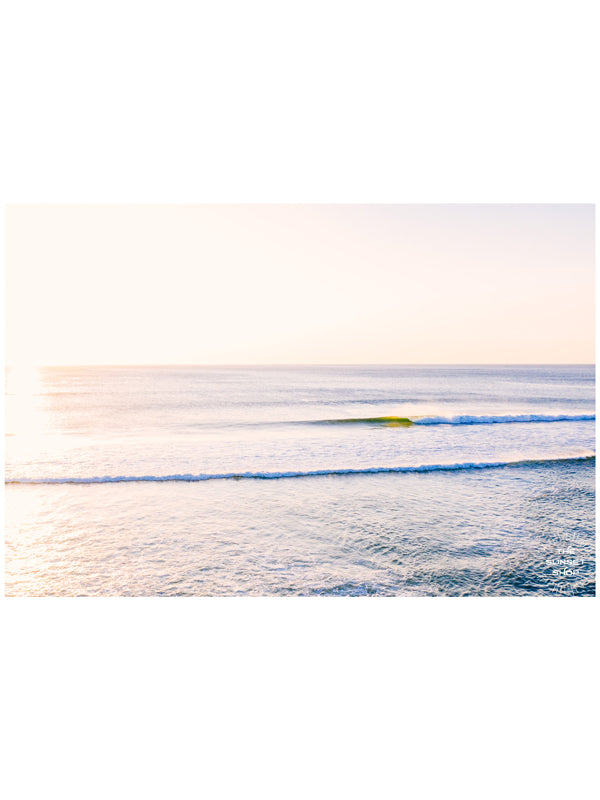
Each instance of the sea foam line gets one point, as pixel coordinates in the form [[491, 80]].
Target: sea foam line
[[469, 465]]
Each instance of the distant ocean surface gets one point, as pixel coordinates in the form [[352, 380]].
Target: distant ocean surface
[[347, 480]]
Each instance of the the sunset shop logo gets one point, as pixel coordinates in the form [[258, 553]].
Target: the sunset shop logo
[[563, 566]]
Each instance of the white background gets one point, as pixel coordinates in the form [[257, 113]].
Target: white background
[[297, 102]]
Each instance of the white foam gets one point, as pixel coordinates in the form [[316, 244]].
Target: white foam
[[466, 419]]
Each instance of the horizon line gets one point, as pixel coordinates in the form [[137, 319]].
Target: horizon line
[[322, 364]]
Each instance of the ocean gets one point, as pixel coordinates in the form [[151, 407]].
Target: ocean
[[307, 480]]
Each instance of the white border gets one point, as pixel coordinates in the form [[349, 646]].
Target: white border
[[280, 102]]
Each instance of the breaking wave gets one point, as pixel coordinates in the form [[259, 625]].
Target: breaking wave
[[462, 419], [469, 465]]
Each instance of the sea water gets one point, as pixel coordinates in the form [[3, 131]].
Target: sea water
[[327, 480]]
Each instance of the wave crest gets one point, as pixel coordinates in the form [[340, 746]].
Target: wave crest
[[470, 465], [465, 419]]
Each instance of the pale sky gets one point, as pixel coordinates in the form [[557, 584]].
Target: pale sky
[[329, 284]]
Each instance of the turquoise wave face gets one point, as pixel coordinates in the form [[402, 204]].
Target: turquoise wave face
[[386, 422]]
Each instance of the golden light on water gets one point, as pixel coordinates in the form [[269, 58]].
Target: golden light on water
[[26, 420]]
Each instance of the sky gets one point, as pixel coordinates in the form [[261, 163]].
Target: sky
[[299, 284]]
